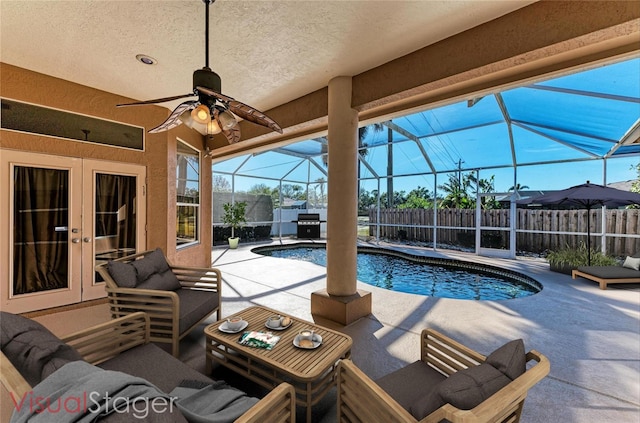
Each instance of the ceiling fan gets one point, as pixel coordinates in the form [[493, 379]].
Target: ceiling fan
[[212, 112]]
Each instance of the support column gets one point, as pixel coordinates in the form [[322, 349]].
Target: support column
[[341, 302]]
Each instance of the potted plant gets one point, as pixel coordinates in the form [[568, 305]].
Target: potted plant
[[566, 259], [234, 216]]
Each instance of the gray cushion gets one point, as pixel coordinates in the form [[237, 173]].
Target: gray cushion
[[146, 361], [153, 272], [152, 363], [510, 359], [32, 349], [426, 404], [130, 415], [124, 274], [194, 306], [464, 389], [410, 383], [610, 272]]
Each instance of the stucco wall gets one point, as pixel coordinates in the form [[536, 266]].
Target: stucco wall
[[159, 155]]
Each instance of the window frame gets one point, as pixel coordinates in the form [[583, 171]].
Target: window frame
[[185, 149]]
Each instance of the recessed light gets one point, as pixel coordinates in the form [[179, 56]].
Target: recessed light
[[147, 60]]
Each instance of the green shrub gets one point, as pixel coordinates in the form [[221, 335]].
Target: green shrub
[[234, 215], [574, 257]]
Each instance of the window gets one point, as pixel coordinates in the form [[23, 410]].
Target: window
[[24, 117], [187, 195]]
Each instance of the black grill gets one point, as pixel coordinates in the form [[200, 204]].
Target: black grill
[[308, 225]]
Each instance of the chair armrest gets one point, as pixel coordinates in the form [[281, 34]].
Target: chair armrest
[[12, 380], [278, 406], [161, 307], [445, 354], [360, 399], [156, 303], [198, 277], [101, 342]]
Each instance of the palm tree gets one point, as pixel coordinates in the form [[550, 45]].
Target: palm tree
[[518, 187], [362, 146], [455, 193], [320, 184]]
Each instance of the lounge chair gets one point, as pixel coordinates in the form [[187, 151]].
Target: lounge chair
[[605, 275], [449, 383]]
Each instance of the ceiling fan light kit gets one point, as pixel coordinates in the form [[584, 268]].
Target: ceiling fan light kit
[[201, 114], [227, 120], [213, 128], [213, 112]]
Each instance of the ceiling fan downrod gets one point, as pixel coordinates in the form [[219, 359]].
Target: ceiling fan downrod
[[206, 32], [205, 77]]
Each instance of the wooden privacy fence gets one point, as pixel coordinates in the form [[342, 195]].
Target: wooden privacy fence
[[457, 227]]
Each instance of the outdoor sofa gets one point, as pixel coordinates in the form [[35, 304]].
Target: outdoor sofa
[[604, 275], [116, 357], [450, 383]]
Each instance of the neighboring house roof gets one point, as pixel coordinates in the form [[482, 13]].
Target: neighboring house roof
[[623, 185]]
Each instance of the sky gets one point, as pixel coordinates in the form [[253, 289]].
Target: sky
[[575, 119]]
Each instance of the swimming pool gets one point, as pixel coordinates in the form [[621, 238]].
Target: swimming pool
[[434, 277]]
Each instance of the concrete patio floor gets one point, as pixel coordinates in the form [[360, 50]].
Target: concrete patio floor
[[590, 336]]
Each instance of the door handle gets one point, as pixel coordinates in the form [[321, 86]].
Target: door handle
[[75, 240], [86, 239]]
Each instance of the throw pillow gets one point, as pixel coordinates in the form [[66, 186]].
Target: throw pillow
[[32, 349], [467, 388], [632, 263], [166, 281], [124, 274], [153, 272], [510, 359], [151, 263]]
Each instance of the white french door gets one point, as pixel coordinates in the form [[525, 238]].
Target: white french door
[[116, 206], [59, 217]]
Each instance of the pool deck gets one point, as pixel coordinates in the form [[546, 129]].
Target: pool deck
[[591, 336]]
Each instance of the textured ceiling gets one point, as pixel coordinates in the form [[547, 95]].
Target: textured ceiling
[[266, 52]]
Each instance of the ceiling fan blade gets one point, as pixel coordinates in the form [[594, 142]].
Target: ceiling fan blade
[[253, 115], [173, 120], [233, 134], [243, 110], [219, 96], [157, 100]]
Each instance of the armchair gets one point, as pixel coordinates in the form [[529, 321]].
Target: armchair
[[449, 383], [176, 298]]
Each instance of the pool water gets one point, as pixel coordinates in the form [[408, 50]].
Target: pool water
[[444, 279]]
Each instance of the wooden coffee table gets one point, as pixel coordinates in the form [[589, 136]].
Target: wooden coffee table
[[312, 372]]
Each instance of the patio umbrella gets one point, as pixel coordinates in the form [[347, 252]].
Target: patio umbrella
[[585, 196]]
